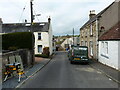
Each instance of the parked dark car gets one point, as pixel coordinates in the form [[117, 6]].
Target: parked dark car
[[78, 54]]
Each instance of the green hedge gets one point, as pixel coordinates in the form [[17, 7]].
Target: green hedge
[[18, 40], [42, 55]]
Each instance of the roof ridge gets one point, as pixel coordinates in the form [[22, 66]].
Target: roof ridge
[[101, 12]]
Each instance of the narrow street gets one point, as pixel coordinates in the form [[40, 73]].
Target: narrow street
[[59, 73]]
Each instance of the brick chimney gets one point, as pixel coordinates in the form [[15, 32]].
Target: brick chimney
[[92, 14]]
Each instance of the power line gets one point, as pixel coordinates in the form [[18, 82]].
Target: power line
[[22, 12], [36, 16]]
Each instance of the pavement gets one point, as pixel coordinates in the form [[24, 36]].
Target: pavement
[[30, 72], [106, 70]]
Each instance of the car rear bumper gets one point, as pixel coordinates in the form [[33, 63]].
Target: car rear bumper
[[80, 60]]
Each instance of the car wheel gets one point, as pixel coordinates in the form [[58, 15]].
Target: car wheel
[[71, 62]]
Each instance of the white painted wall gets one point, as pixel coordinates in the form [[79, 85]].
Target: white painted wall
[[44, 40], [67, 41], [119, 55], [112, 55], [70, 41]]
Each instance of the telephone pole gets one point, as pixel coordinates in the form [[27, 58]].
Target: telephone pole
[[31, 9], [73, 36]]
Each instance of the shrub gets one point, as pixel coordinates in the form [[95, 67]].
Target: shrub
[[12, 48], [42, 55], [18, 40], [46, 51]]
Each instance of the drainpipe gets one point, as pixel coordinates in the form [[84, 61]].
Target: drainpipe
[[97, 39]]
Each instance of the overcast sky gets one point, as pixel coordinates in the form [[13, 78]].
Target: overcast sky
[[65, 14]]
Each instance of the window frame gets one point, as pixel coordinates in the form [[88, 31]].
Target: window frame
[[39, 36], [38, 48]]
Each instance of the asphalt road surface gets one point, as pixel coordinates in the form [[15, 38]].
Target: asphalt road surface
[[59, 73]]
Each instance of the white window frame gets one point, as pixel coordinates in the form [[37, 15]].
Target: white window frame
[[82, 43], [38, 49], [86, 32], [91, 48], [106, 48], [86, 43], [91, 29]]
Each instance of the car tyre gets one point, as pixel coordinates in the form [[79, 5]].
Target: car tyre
[[71, 62]]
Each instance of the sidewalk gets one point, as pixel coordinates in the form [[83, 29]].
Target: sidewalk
[[106, 70], [13, 82]]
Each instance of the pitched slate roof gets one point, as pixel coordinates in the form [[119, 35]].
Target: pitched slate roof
[[25, 27], [112, 34], [96, 16]]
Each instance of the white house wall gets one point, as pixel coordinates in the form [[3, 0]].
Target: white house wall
[[119, 55], [110, 59], [44, 40], [67, 41]]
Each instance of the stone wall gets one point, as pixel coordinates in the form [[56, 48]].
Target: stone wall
[[25, 55]]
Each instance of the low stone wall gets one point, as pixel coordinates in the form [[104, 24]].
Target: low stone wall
[[26, 56]]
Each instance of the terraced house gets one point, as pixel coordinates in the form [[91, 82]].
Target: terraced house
[[96, 26], [89, 34]]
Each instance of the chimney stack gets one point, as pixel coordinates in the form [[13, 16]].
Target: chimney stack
[[1, 20], [49, 19], [92, 14]]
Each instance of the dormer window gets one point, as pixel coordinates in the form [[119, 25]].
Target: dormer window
[[102, 28]]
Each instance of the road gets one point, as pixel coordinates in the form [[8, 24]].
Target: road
[[59, 73]]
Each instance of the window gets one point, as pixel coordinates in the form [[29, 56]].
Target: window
[[39, 36], [102, 44], [91, 30], [104, 52], [39, 48], [82, 43], [86, 32], [106, 47], [86, 43], [91, 48]]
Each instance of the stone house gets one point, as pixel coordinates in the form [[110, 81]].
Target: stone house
[[96, 26], [89, 35], [42, 33]]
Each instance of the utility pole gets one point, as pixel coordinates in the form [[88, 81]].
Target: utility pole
[[73, 36], [31, 9]]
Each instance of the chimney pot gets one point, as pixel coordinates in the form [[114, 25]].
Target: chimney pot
[[92, 14]]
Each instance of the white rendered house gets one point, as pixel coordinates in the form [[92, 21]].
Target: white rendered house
[[42, 33], [109, 47], [44, 38]]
